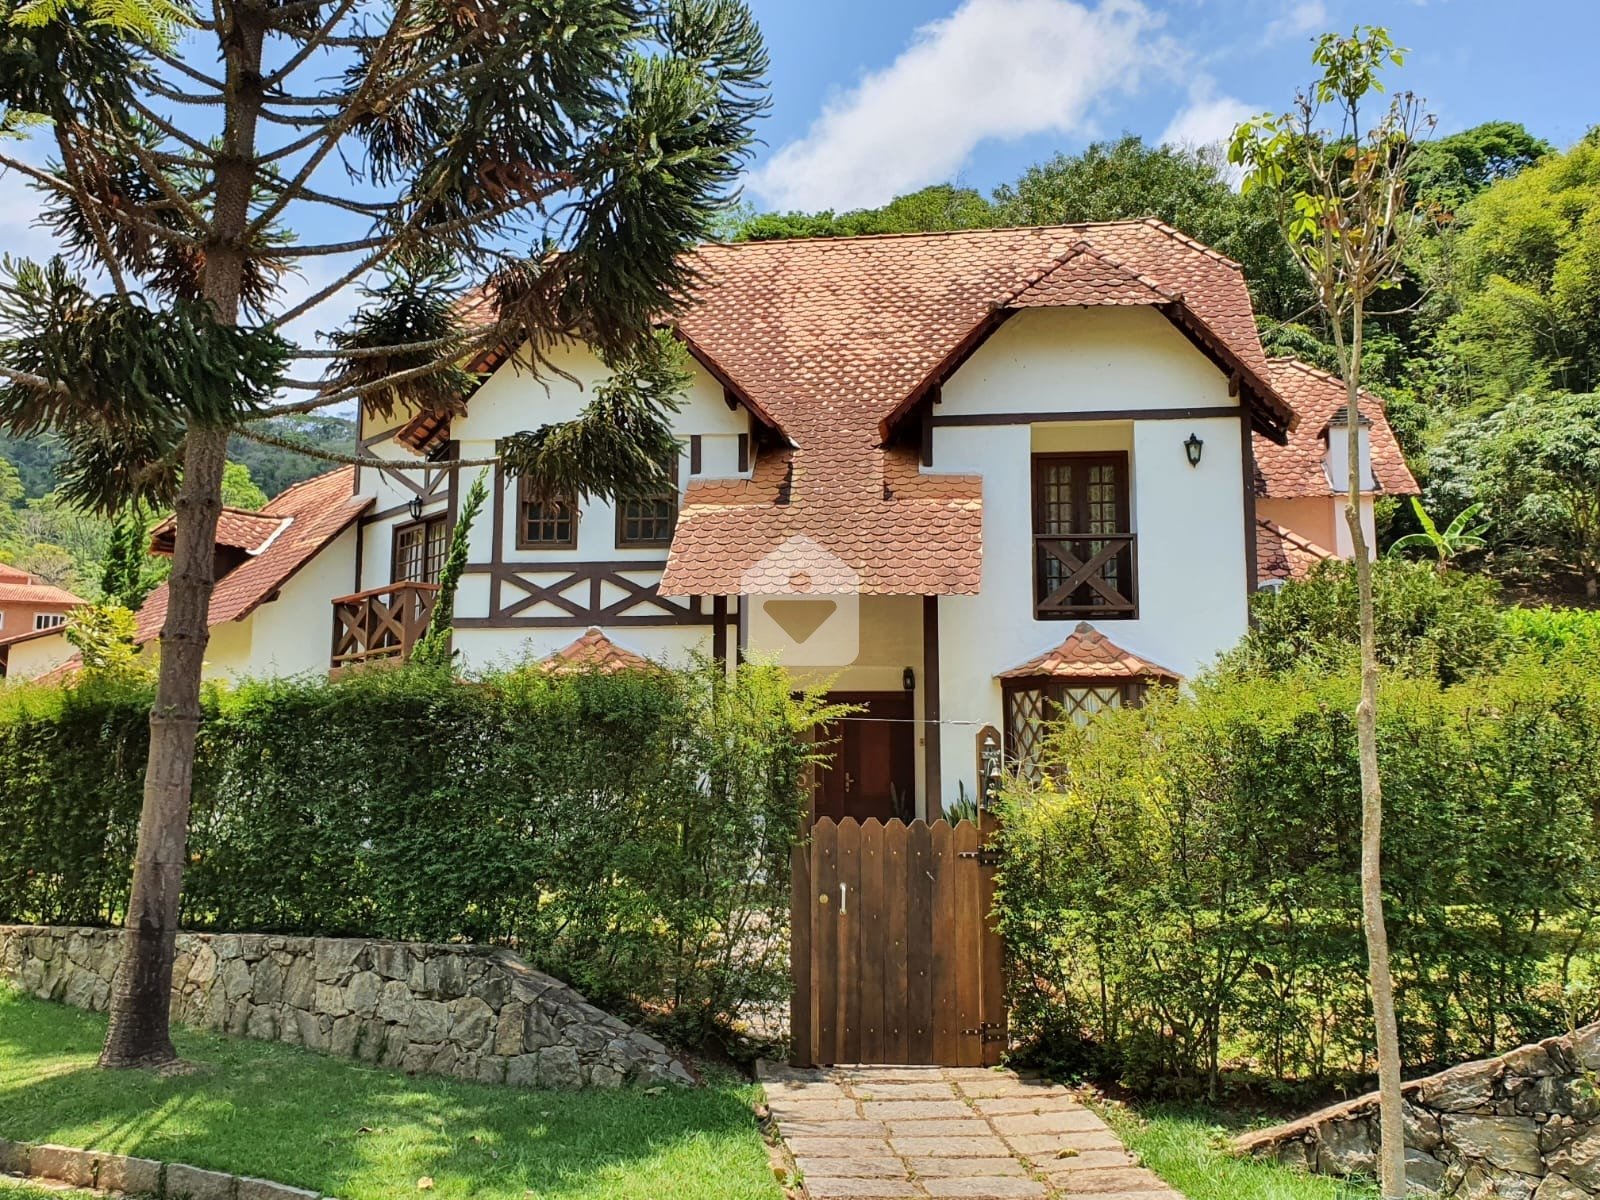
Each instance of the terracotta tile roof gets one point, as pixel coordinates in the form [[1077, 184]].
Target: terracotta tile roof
[[316, 510], [836, 336], [594, 651], [1282, 553], [45, 594], [9, 574], [1089, 654], [1297, 468], [238, 528]]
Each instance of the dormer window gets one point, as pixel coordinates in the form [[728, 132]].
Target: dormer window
[[1337, 459]]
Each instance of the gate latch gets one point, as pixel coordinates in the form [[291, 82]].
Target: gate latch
[[986, 857], [989, 1031]]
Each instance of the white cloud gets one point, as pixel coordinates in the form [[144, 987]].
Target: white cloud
[[1301, 20], [19, 206], [1207, 119], [992, 69]]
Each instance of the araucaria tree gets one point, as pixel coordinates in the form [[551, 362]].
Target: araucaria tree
[[213, 176], [1339, 182]]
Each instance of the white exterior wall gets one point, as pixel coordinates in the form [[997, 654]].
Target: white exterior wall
[[512, 401], [1192, 588], [37, 656], [292, 635]]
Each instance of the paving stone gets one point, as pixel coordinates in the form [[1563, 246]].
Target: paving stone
[[930, 1168], [825, 1147], [803, 1089], [1099, 1181], [986, 1187], [949, 1147], [891, 1074], [834, 1129], [913, 1110], [946, 1127], [933, 1089], [995, 1106], [885, 1167], [1069, 1121], [1084, 1160], [813, 1110], [1010, 1085], [819, 1188]]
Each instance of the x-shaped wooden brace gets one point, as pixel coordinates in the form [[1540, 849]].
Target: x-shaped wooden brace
[[1081, 572]]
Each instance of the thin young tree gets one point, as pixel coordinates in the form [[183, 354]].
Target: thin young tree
[[1339, 183], [480, 173]]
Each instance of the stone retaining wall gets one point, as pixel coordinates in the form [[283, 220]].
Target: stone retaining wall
[[1524, 1126], [472, 1012], [138, 1176]]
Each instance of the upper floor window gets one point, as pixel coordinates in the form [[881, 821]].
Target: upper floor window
[[420, 549], [1084, 547], [649, 521], [545, 524], [48, 621]]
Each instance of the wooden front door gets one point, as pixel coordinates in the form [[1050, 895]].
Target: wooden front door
[[894, 956], [871, 772]]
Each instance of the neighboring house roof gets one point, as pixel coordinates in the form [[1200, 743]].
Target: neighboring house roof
[[1282, 553], [1089, 654], [308, 515], [46, 595], [9, 574], [840, 338], [1298, 467], [594, 651], [238, 528]]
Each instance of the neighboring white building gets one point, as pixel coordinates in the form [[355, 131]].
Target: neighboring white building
[[968, 479]]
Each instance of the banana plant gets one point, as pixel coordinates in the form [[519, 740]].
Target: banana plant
[[1452, 541]]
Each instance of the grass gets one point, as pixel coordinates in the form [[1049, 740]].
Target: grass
[[364, 1133], [1187, 1146]]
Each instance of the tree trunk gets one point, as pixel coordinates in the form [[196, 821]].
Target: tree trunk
[[139, 1033], [1380, 979]]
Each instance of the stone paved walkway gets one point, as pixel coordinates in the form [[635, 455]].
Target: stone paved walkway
[[859, 1133]]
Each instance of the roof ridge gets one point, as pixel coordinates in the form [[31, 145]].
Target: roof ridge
[[1077, 250], [1192, 243], [940, 233]]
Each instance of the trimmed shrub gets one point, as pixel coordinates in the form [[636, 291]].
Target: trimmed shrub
[[628, 832], [1181, 894]]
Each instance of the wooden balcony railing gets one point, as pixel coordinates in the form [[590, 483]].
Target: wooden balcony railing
[[1085, 575], [381, 623]]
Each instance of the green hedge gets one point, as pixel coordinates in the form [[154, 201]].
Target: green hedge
[[628, 832], [1182, 896]]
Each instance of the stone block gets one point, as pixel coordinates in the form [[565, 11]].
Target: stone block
[[62, 1163], [1556, 1187], [559, 1068], [192, 1183], [1578, 1159], [266, 1189], [469, 1022], [392, 960], [429, 1019], [14, 1156], [362, 992], [343, 1037], [1510, 1143], [394, 1001], [131, 1176], [523, 1071], [261, 1023], [508, 1030]]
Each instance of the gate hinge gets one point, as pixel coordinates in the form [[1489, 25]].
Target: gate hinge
[[986, 857], [989, 1031]]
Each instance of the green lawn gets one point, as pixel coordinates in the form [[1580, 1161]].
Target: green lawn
[[362, 1133], [1187, 1146]]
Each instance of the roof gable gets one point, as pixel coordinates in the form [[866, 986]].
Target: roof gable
[[1297, 468], [1088, 654]]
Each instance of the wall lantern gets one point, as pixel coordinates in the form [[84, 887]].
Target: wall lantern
[[415, 508], [1192, 447], [909, 679]]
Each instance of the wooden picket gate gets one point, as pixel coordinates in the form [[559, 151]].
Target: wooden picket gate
[[893, 955]]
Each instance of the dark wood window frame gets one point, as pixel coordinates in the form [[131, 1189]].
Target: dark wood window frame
[[440, 521], [526, 502], [1082, 551], [624, 542]]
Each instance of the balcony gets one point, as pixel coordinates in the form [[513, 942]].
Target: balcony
[[1085, 575], [381, 624]]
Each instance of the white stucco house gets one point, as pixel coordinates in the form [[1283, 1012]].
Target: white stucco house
[[967, 477]]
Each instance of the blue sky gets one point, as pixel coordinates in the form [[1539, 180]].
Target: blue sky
[[872, 98]]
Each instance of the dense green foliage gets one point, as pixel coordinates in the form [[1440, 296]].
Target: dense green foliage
[[1181, 895], [629, 832], [349, 1129]]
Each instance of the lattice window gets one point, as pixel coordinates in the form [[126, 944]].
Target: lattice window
[[545, 524], [420, 549], [1033, 705], [649, 521]]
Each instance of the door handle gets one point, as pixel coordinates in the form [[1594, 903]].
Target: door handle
[[849, 781]]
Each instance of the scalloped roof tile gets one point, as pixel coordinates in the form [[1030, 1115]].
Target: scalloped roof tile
[[1282, 553], [1297, 468], [1089, 654], [594, 651]]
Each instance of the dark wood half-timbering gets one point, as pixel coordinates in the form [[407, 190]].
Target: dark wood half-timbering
[[546, 595], [381, 623]]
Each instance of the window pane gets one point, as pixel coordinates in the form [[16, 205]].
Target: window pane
[[648, 521], [408, 554], [549, 522]]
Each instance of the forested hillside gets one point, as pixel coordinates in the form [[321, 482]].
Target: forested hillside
[[42, 534], [1488, 355]]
